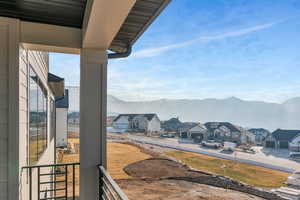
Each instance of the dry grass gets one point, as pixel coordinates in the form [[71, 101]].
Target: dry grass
[[249, 174], [119, 156]]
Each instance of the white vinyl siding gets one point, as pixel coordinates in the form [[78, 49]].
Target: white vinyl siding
[[61, 127], [39, 63]]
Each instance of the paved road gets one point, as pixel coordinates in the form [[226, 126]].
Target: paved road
[[270, 158], [273, 159]]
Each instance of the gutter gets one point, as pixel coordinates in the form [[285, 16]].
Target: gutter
[[120, 55]]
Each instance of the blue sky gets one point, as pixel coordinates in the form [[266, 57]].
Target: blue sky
[[208, 49]]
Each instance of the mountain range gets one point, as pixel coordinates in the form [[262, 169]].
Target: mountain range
[[244, 113]]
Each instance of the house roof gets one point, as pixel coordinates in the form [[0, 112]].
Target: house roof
[[215, 125], [288, 135], [54, 78], [255, 130], [201, 126], [70, 13], [298, 135], [149, 116], [57, 84], [143, 13], [62, 101]]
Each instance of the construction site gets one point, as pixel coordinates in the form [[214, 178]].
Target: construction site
[[150, 172]]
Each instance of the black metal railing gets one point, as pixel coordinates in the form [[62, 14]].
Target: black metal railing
[[55, 181], [108, 188]]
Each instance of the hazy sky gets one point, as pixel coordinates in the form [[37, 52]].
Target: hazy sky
[[209, 48]]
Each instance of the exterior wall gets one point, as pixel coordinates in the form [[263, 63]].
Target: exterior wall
[[122, 123], [61, 127], [247, 137], [295, 144], [139, 123], [24, 119], [154, 125], [39, 62], [270, 138]]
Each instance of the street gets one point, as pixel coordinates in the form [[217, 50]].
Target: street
[[269, 158]]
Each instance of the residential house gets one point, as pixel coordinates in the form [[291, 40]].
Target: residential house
[[260, 134], [294, 145], [98, 31], [197, 133], [280, 138], [110, 120], [62, 106], [183, 132], [225, 131], [219, 131], [146, 123], [174, 125]]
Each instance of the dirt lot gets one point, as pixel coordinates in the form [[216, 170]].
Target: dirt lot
[[159, 168], [178, 190], [143, 174]]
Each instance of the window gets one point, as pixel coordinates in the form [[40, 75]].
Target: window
[[38, 118]]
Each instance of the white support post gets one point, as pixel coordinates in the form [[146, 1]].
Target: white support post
[[9, 108], [93, 94]]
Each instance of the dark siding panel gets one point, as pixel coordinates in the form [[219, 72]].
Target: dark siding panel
[[58, 12]]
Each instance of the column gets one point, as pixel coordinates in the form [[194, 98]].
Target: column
[[93, 94], [9, 109]]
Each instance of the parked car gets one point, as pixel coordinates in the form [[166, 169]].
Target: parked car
[[167, 135], [229, 146], [295, 156], [211, 144]]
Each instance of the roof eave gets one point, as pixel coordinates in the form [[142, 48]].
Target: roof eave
[[122, 49]]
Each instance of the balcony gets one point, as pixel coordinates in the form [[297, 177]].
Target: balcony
[[61, 181]]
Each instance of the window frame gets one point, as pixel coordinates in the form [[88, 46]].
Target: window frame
[[38, 117]]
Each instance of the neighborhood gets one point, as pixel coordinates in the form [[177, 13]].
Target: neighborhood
[[217, 132]]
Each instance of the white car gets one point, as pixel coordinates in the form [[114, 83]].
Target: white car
[[211, 144], [295, 156]]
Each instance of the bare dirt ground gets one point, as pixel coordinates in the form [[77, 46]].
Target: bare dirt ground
[[178, 190], [159, 168], [142, 173]]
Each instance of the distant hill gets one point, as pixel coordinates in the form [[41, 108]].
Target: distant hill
[[240, 112]]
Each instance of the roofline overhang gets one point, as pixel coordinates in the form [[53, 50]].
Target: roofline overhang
[[152, 19], [95, 34], [51, 38], [111, 15]]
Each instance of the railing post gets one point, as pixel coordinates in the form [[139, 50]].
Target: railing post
[[100, 183], [74, 181], [30, 184], [66, 180], [38, 182]]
